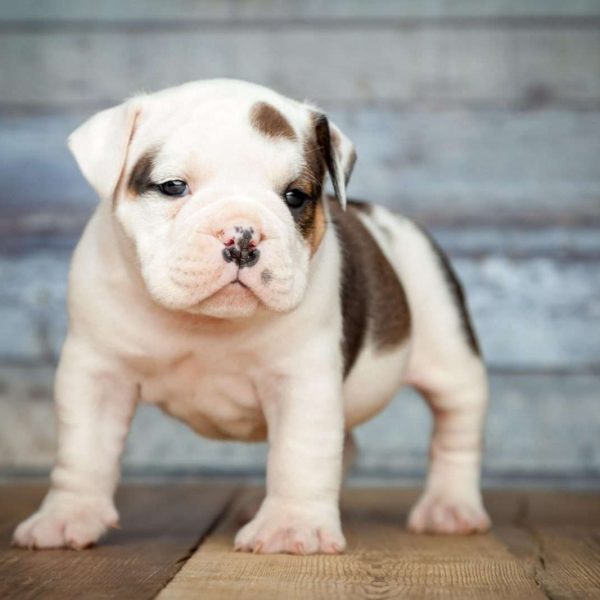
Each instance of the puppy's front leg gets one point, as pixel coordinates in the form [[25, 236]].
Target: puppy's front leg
[[300, 514], [93, 409]]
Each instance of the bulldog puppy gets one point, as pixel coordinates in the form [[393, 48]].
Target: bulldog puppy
[[217, 281]]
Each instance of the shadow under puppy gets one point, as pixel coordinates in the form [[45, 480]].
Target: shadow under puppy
[[217, 281]]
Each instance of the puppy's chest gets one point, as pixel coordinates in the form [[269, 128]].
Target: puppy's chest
[[218, 399]]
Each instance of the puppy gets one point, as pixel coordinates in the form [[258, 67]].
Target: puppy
[[217, 281]]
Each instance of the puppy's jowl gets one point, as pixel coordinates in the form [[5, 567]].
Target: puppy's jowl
[[217, 281]]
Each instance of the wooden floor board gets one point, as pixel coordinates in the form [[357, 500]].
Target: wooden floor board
[[543, 545], [569, 562], [383, 560], [564, 535], [161, 525]]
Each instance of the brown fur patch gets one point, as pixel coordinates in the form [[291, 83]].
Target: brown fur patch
[[313, 171], [270, 122], [374, 303], [319, 226], [139, 178], [323, 135], [310, 218], [304, 217], [458, 293], [361, 206]]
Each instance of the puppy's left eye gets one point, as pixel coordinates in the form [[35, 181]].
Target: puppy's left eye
[[295, 198], [173, 187]]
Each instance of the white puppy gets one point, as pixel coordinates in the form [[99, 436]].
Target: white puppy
[[217, 281]]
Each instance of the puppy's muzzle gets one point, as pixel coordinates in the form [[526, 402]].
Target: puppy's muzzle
[[241, 245]]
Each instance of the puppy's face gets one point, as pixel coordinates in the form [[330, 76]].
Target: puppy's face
[[219, 187]]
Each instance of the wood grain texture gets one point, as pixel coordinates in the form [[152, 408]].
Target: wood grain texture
[[507, 296], [382, 561], [160, 527], [276, 10], [566, 534], [415, 66], [448, 168], [543, 545]]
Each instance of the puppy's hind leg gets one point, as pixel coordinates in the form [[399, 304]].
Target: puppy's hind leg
[[447, 369], [451, 502]]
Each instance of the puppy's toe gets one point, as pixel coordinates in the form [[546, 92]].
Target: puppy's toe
[[436, 513], [64, 526], [281, 529]]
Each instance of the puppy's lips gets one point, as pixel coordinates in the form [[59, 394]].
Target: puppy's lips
[[238, 281], [234, 287]]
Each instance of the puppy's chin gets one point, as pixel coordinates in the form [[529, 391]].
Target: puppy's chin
[[233, 301]]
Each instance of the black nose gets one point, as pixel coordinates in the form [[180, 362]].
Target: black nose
[[242, 250]]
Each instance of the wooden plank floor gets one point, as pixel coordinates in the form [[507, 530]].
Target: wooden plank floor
[[176, 543], [160, 527]]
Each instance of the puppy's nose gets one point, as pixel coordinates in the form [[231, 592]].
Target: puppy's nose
[[240, 243]]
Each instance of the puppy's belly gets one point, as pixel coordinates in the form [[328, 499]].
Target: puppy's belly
[[226, 406], [221, 407], [373, 382]]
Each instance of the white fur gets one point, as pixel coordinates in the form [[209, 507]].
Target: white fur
[[154, 318]]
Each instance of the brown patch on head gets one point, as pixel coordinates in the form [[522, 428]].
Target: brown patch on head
[[374, 303], [270, 122], [140, 177]]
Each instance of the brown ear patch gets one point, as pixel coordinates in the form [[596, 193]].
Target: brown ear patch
[[270, 122], [140, 176], [374, 303]]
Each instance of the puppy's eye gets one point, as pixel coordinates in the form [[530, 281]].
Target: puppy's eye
[[295, 198], [173, 187]]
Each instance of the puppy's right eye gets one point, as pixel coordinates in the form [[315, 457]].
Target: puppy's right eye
[[173, 187]]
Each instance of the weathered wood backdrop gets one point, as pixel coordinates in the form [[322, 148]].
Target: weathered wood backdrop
[[480, 118]]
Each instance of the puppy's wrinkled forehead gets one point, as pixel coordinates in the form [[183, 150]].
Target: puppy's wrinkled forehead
[[246, 135]]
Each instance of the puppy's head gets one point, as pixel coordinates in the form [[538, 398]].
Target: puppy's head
[[219, 186]]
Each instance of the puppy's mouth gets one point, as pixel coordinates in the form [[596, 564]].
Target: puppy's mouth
[[236, 288], [237, 281]]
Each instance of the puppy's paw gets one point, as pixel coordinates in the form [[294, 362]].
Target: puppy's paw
[[66, 523], [280, 527], [451, 513]]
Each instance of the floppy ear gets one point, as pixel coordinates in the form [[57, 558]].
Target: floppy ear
[[338, 153], [100, 145]]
